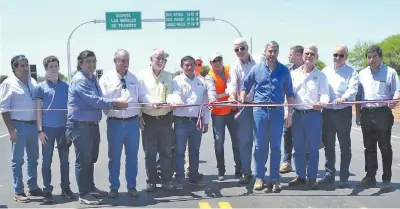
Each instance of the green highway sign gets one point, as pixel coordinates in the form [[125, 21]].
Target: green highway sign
[[182, 19], [123, 20]]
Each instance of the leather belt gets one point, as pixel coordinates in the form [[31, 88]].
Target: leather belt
[[374, 109], [123, 119], [86, 122], [25, 121], [336, 110], [186, 118], [304, 111], [159, 117]]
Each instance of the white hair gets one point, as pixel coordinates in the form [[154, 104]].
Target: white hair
[[344, 47], [240, 41], [120, 52], [312, 47], [159, 51]]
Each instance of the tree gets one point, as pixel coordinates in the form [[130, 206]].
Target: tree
[[176, 73], [320, 65], [204, 70], [356, 57], [63, 77], [2, 78], [391, 51]]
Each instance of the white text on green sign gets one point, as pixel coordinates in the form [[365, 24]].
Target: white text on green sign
[[182, 19], [123, 20]]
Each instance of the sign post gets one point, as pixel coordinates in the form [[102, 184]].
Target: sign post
[[182, 19], [123, 20]]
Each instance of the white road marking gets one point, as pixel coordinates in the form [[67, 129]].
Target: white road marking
[[359, 129], [4, 135]]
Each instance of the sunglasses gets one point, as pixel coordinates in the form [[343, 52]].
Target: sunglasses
[[242, 48], [123, 83], [338, 55], [219, 59], [309, 54]]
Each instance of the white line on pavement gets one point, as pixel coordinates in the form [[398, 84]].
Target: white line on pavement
[[359, 129], [4, 135]]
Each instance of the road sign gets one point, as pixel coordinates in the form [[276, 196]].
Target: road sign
[[182, 19], [123, 20]]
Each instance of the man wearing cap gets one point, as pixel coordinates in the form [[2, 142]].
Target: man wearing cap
[[377, 82], [17, 92], [222, 116], [272, 82], [311, 92], [239, 70], [156, 123]]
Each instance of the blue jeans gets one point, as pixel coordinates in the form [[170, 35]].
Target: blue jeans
[[245, 138], [86, 139], [123, 133], [27, 139], [55, 135], [306, 137], [287, 144], [186, 132], [219, 122], [268, 127]]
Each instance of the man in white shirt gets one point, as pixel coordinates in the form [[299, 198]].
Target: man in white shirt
[[17, 106], [239, 70], [337, 119], [311, 92], [188, 89], [123, 127]]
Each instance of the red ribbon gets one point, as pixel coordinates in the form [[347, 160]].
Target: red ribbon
[[199, 122]]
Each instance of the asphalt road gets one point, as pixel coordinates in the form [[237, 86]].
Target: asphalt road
[[227, 194]]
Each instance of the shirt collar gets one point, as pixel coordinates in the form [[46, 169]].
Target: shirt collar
[[248, 61], [380, 67], [87, 75]]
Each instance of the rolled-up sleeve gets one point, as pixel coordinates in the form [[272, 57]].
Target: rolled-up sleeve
[[352, 88], [232, 82], [323, 89], [211, 89], [88, 95], [249, 80], [5, 97]]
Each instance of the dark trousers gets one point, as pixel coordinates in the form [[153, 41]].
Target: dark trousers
[[376, 125], [337, 122], [55, 135], [219, 122], [287, 144], [157, 137], [86, 139]]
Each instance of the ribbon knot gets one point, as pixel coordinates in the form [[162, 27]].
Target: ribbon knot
[[199, 122]]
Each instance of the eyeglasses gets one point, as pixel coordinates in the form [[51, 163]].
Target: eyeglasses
[[218, 59], [123, 83], [242, 48], [309, 54], [338, 55]]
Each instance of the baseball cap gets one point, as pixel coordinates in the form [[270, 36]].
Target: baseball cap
[[215, 55]]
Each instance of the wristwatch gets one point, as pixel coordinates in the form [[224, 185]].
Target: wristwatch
[[39, 131]]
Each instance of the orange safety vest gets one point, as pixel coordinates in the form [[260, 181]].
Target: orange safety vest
[[220, 86]]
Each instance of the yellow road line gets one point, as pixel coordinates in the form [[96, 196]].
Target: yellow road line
[[224, 205], [204, 205]]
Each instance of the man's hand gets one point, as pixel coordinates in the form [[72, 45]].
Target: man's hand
[[339, 101], [318, 106], [142, 123], [43, 138], [358, 120], [392, 105], [13, 136], [234, 101], [288, 120], [157, 106], [205, 128], [120, 103]]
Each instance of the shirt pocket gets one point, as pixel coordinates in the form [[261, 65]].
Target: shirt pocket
[[312, 85], [383, 87]]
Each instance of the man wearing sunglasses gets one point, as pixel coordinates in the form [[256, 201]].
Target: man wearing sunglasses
[[199, 64], [17, 106], [239, 70], [123, 128], [272, 82], [337, 119], [216, 82]]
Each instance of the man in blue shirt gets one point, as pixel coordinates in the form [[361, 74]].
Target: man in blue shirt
[[271, 81], [53, 94], [85, 104]]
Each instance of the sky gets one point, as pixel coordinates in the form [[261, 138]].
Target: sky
[[41, 28]]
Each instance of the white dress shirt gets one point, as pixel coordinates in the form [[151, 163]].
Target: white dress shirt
[[343, 83], [309, 88], [190, 92], [111, 87], [15, 95], [238, 72]]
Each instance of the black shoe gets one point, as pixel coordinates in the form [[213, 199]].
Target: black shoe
[[67, 193], [113, 193], [312, 184], [150, 187], [133, 192], [97, 193], [36, 193], [238, 175], [297, 181], [48, 197], [367, 182], [245, 179]]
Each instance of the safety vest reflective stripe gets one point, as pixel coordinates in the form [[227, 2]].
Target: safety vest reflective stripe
[[221, 95]]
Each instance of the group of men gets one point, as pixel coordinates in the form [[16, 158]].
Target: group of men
[[265, 99]]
